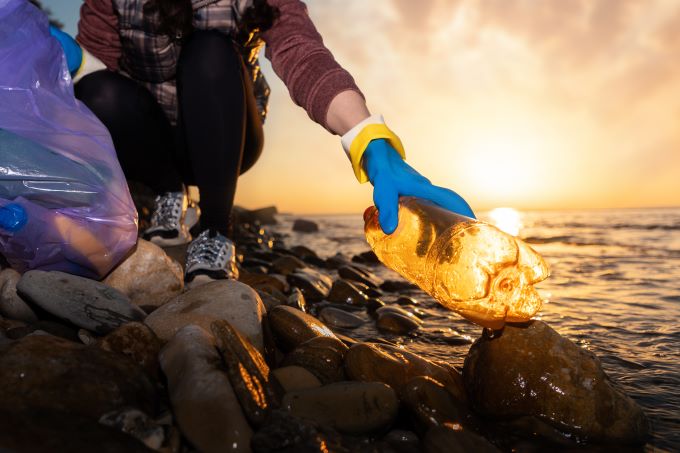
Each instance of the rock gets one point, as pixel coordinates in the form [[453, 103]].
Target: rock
[[406, 301], [63, 432], [42, 372], [137, 342], [335, 317], [337, 260], [51, 327], [264, 281], [392, 365], [148, 276], [11, 305], [367, 257], [136, 424], [248, 373], [350, 407], [432, 405], [396, 286], [293, 377], [297, 300], [268, 300], [373, 305], [402, 441], [396, 323], [287, 265], [305, 226], [86, 303], [322, 356], [531, 370], [307, 255], [292, 327], [229, 300], [284, 432], [359, 274], [451, 438], [202, 398], [345, 292], [314, 285]]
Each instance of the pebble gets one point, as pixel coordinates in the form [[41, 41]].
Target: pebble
[[265, 281], [229, 300], [248, 373], [314, 285], [335, 317], [292, 327], [297, 300], [395, 323], [432, 405], [305, 226], [43, 372], [11, 305], [137, 342], [372, 306], [203, 401], [367, 257], [293, 377], [287, 265], [345, 292], [51, 327], [149, 277], [396, 286], [452, 438], [86, 303], [359, 274], [350, 407], [532, 370], [406, 300], [392, 365], [137, 424], [322, 356], [283, 432]]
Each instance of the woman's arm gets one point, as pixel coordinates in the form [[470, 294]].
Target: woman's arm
[[316, 82]]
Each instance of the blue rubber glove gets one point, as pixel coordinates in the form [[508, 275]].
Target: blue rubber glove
[[392, 177], [72, 50]]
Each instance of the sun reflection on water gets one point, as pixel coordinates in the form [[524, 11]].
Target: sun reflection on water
[[506, 219]]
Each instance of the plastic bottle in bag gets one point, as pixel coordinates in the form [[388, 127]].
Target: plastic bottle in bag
[[470, 267]]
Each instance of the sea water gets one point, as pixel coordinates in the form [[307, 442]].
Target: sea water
[[614, 289]]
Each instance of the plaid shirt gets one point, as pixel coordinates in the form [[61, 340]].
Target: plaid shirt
[[151, 57]]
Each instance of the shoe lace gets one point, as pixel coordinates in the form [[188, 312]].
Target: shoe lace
[[167, 210]]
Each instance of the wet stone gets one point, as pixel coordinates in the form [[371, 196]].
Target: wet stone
[[43, 372], [293, 377], [396, 323], [136, 424], [407, 301], [287, 433], [345, 292], [148, 276], [322, 356], [359, 274], [337, 260], [248, 373], [372, 306], [314, 285], [452, 438], [11, 305], [265, 281], [287, 265], [530, 370], [350, 407], [368, 257], [335, 317], [57, 329], [292, 327], [297, 300], [229, 300], [403, 441], [395, 286], [137, 342], [392, 365], [86, 303], [305, 226], [203, 401]]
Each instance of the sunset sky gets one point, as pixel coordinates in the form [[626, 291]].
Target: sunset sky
[[530, 104]]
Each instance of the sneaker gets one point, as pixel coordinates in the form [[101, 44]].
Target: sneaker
[[167, 222], [211, 256]]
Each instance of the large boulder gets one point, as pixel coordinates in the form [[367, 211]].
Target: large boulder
[[229, 300], [148, 276], [531, 370]]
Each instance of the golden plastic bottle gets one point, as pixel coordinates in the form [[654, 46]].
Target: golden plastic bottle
[[468, 266]]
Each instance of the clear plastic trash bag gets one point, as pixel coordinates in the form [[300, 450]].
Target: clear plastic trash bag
[[57, 161]]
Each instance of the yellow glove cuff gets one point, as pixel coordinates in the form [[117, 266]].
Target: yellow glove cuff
[[361, 141]]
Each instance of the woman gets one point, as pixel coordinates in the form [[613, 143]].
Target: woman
[[177, 84]]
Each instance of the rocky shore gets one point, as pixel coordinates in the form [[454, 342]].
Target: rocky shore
[[268, 364]]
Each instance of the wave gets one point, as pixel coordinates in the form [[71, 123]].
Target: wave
[[617, 226]]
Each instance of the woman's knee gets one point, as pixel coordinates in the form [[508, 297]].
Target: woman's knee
[[105, 91], [212, 56]]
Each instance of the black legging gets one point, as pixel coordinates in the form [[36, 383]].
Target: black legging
[[219, 132]]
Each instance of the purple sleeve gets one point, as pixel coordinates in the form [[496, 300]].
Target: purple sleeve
[[299, 57]]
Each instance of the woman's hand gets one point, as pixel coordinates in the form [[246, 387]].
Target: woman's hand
[[392, 177]]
